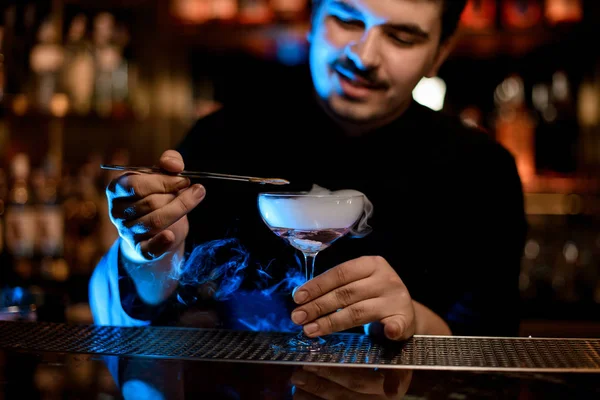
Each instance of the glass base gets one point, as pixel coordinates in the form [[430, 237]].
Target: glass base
[[304, 344]]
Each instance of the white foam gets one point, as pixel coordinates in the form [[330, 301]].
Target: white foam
[[340, 211]]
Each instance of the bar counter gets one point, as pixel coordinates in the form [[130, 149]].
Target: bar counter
[[69, 361]]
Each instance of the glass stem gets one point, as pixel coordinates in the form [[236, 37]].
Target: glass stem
[[309, 265]]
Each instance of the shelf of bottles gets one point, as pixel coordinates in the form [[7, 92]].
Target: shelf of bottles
[[84, 71], [481, 16], [488, 27], [54, 228]]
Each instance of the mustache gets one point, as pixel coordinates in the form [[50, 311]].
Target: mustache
[[369, 77]]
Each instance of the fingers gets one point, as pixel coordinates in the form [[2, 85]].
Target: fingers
[[341, 275], [171, 161], [125, 209], [160, 219], [138, 186], [358, 380], [350, 383], [339, 298], [158, 245], [355, 293], [357, 314], [148, 209], [311, 386], [170, 239], [399, 326]]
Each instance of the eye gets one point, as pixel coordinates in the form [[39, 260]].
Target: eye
[[399, 40], [347, 22]]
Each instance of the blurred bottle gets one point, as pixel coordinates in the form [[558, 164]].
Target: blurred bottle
[[588, 115], [564, 274], [191, 11], [290, 10], [20, 218], [20, 22], [3, 194], [545, 113], [557, 130], [254, 12], [50, 223], [566, 125], [107, 61], [82, 222], [534, 271], [521, 14], [596, 251], [83, 246], [479, 15], [563, 11], [2, 57], [3, 178], [224, 10], [588, 273], [122, 83], [514, 125], [46, 60], [78, 73]]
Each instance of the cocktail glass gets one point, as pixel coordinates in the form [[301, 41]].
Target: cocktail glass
[[310, 223]]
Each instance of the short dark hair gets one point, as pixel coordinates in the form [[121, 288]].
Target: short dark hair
[[451, 13]]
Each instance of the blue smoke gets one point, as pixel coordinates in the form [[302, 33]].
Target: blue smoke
[[220, 267], [204, 266]]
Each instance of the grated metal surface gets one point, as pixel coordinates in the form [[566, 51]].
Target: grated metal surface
[[421, 352]]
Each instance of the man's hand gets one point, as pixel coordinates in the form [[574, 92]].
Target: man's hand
[[150, 210], [313, 382], [355, 293]]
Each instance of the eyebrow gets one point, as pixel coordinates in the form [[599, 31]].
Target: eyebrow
[[411, 29], [344, 6]]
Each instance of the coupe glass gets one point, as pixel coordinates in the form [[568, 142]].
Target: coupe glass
[[310, 223]]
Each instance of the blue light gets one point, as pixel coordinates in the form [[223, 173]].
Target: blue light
[[17, 295], [137, 389], [291, 51]]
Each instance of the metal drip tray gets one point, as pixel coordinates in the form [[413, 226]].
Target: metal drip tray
[[420, 352]]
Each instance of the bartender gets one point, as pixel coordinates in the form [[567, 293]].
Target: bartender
[[448, 225]]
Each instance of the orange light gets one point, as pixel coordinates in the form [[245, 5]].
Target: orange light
[[192, 11]]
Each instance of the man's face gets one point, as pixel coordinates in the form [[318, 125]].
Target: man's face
[[366, 56]]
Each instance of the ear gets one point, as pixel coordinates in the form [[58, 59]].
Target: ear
[[444, 50]]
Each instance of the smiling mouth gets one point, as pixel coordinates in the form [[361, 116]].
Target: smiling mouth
[[355, 80]]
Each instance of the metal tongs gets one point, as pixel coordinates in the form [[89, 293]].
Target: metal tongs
[[197, 174]]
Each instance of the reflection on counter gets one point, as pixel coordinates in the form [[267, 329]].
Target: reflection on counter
[[50, 376]]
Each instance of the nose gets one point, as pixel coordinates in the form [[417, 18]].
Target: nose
[[365, 53]]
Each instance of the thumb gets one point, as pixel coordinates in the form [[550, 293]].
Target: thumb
[[171, 161], [398, 327]]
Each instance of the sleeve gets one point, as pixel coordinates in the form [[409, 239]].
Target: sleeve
[[114, 299], [105, 294], [488, 304], [112, 294]]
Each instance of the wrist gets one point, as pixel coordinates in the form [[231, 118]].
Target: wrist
[[154, 280], [132, 256]]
